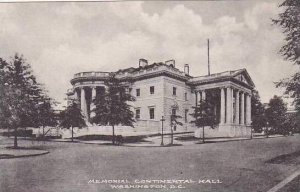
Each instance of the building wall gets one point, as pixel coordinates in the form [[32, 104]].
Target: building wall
[[147, 100], [179, 100], [163, 101]]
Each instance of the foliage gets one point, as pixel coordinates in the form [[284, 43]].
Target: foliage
[[276, 115], [46, 115], [72, 116], [258, 113], [204, 114], [112, 107], [20, 94], [174, 121], [289, 21], [291, 123]]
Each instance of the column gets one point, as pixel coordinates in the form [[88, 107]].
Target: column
[[203, 95], [229, 106], [199, 97], [93, 102], [83, 103], [242, 108], [237, 107], [76, 95], [222, 108], [248, 109]]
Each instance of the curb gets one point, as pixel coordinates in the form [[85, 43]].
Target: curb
[[21, 156]]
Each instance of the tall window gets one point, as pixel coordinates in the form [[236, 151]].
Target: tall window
[[185, 96], [173, 111], [151, 112], [137, 114], [138, 92], [186, 115], [174, 90], [152, 90]]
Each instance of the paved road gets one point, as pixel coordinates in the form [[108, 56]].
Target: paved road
[[239, 165]]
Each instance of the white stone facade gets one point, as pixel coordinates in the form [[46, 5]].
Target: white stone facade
[[163, 88]]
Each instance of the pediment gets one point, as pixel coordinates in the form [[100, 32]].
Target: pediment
[[244, 77]]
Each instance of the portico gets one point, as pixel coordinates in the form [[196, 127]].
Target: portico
[[232, 105]]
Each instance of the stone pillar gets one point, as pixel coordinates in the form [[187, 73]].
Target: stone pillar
[[223, 107], [237, 107], [83, 103], [76, 95], [248, 109], [242, 108], [229, 106], [203, 95], [199, 97], [93, 102]]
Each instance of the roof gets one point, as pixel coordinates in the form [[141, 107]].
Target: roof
[[223, 75]]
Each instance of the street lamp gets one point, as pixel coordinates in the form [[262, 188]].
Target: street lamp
[[162, 130]]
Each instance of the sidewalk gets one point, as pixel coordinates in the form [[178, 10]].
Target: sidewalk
[[18, 153], [28, 150]]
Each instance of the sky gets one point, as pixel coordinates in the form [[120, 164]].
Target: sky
[[59, 39]]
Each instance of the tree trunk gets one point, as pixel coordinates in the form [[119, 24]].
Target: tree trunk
[[203, 140], [43, 134], [72, 133], [113, 134], [171, 135], [15, 139], [267, 134]]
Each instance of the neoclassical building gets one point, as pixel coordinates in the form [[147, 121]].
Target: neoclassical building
[[161, 89]]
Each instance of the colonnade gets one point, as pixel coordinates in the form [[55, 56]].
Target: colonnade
[[235, 105], [83, 100]]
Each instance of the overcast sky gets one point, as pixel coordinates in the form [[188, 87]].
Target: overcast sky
[[60, 39]]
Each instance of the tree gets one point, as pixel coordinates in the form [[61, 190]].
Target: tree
[[45, 114], [276, 115], [72, 117], [289, 21], [112, 106], [20, 96], [204, 115], [174, 121], [258, 113]]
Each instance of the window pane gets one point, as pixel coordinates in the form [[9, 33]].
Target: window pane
[[137, 113], [152, 90], [174, 90], [138, 92], [151, 113]]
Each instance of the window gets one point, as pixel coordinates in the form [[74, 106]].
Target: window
[[130, 89], [138, 92], [185, 96], [174, 90], [173, 111], [152, 90], [186, 115], [151, 113], [137, 114]]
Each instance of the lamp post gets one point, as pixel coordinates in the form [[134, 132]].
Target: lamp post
[[162, 130]]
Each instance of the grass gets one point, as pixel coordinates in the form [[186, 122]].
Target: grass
[[290, 158]]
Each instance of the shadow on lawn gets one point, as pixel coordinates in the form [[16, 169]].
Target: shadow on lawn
[[291, 158]]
